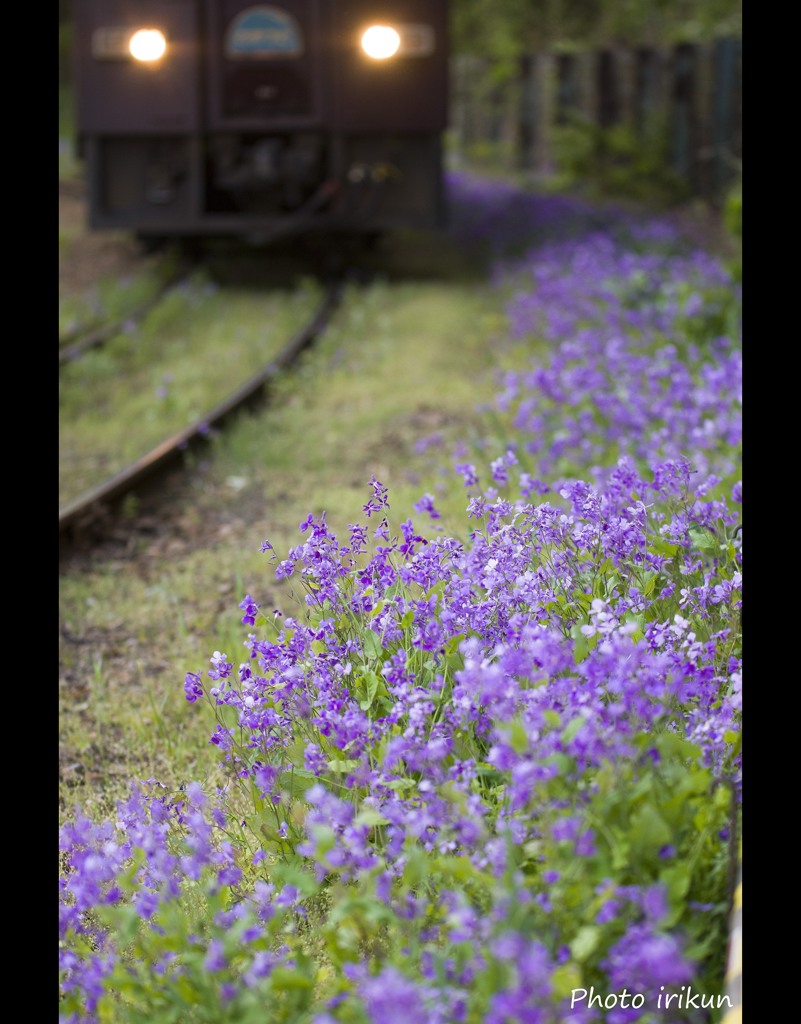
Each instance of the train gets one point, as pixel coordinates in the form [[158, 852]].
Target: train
[[230, 118]]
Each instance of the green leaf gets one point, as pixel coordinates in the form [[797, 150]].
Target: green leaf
[[293, 874], [703, 539], [325, 839], [639, 623], [565, 979], [490, 774], [297, 781], [649, 832], [585, 942], [414, 870], [453, 642], [461, 869], [518, 737], [123, 920], [397, 784], [676, 880], [371, 682], [341, 766], [671, 744], [285, 979], [371, 644], [562, 761], [581, 647], [370, 816], [572, 729]]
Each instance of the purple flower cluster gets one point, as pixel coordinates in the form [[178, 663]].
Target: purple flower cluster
[[511, 754], [497, 216], [159, 852], [625, 376]]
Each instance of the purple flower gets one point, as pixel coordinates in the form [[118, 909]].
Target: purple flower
[[468, 472], [251, 610], [192, 688], [391, 998], [214, 959], [426, 504], [653, 957]]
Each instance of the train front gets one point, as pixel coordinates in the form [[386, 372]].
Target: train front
[[223, 117]]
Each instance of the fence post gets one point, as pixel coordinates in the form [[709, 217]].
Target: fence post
[[705, 149], [457, 110], [727, 111], [626, 71], [650, 94], [585, 84], [529, 113], [468, 114], [567, 87], [548, 103], [682, 116], [608, 112]]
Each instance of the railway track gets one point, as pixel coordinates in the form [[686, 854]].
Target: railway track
[[78, 342], [89, 511]]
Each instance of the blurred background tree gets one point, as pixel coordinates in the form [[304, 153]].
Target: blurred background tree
[[493, 41], [503, 30]]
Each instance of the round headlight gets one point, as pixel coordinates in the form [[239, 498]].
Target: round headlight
[[147, 44], [380, 42]]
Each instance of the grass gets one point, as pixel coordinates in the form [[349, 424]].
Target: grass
[[153, 381], [404, 361], [111, 299]]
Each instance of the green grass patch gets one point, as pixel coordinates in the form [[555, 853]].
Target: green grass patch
[[189, 353]]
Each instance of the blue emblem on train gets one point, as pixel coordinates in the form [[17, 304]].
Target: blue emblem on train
[[263, 32]]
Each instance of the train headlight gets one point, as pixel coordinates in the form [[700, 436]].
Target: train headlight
[[121, 43], [383, 41], [380, 42], [148, 44]]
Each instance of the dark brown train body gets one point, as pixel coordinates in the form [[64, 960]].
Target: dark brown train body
[[261, 120]]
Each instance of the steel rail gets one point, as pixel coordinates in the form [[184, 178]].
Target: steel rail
[[88, 507], [73, 345]]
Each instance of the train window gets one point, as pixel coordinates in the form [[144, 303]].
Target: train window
[[263, 33]]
